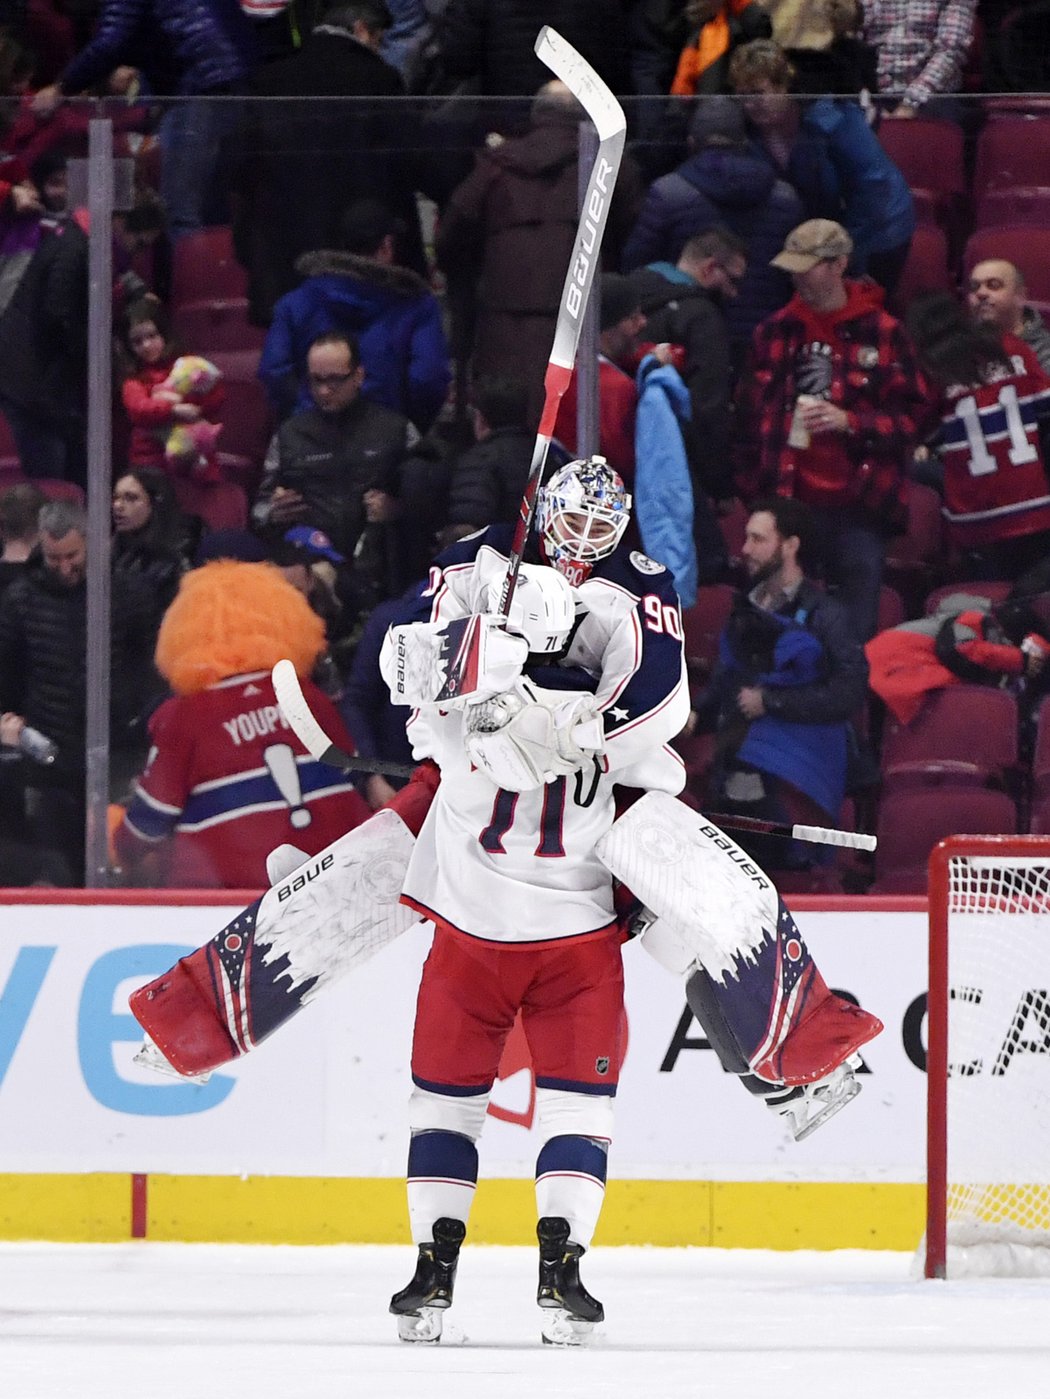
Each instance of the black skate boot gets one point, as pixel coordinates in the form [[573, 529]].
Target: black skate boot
[[418, 1306], [573, 1312]]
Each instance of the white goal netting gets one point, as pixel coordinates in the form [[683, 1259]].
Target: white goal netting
[[997, 1104]]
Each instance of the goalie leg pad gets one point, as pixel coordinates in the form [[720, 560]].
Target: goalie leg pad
[[333, 913], [770, 997]]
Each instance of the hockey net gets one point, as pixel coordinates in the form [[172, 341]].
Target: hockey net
[[988, 1060]]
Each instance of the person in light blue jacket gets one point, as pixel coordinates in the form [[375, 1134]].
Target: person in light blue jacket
[[663, 491]]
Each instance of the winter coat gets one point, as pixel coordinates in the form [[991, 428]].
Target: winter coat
[[731, 185], [488, 480], [43, 658], [303, 162], [391, 312], [703, 65], [679, 311], [1036, 334], [43, 331], [663, 492], [877, 206], [210, 45], [331, 459], [508, 231], [813, 678], [493, 41], [152, 418], [858, 358]]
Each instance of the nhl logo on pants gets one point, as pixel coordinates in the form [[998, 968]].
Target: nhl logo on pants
[[601, 1065]]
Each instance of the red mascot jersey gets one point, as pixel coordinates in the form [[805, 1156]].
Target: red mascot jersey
[[227, 780]]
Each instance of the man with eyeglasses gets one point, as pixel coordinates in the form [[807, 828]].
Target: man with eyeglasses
[[337, 467]]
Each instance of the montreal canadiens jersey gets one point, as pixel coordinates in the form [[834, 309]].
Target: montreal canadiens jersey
[[520, 866], [991, 443], [228, 781]]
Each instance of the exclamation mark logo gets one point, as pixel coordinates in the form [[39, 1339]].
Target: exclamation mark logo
[[280, 759]]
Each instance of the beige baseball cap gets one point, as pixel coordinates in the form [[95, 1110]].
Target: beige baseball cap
[[816, 240]]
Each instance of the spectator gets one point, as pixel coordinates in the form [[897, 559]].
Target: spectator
[[682, 305], [827, 150], [724, 181], [146, 535], [208, 52], [20, 506], [840, 370], [337, 467], [43, 355], [995, 293], [790, 676], [843, 63], [301, 160], [993, 409], [515, 218], [488, 480], [389, 309], [491, 42], [922, 50], [722, 25], [153, 409], [43, 669], [621, 321]]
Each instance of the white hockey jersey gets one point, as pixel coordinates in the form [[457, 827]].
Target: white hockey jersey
[[520, 867]]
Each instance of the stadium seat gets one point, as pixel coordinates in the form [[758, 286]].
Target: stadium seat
[[733, 526], [247, 426], [927, 268], [223, 505], [203, 327], [992, 588], [1041, 757], [963, 735], [1028, 248], [914, 557], [911, 822], [1018, 206], [702, 624], [204, 267], [891, 608], [929, 154], [1011, 150]]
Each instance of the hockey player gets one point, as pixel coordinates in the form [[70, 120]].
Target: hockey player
[[528, 773], [506, 867]]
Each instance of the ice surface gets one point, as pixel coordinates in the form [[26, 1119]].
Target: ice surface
[[156, 1321]]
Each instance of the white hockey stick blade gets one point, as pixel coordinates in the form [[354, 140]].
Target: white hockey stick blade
[[293, 705], [826, 835], [576, 73]]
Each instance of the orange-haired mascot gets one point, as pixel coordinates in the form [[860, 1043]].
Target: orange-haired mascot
[[227, 781]]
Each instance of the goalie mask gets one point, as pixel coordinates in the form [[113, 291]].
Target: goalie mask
[[542, 610], [583, 512]]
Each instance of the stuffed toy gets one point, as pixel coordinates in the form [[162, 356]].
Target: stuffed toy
[[190, 448], [227, 781]]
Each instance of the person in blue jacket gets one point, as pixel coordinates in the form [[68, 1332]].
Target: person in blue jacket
[[390, 311], [827, 150]]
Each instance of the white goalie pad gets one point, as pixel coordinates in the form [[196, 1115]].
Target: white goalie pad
[[341, 907], [709, 896]]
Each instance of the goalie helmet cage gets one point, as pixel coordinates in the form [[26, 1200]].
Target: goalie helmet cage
[[988, 1059]]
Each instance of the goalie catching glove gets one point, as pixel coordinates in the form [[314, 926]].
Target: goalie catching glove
[[527, 737]]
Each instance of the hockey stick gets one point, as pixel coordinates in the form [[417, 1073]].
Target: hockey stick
[[607, 115], [295, 709]]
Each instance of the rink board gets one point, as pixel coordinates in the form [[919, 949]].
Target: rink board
[[304, 1141]]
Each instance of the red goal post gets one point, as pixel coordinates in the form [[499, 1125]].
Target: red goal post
[[988, 1058]]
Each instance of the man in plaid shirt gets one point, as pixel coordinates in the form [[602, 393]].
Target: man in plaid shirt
[[829, 410], [921, 47]]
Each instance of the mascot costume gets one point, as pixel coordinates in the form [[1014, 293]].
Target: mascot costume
[[227, 780]]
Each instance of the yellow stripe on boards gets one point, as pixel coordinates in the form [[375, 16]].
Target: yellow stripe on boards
[[314, 1210]]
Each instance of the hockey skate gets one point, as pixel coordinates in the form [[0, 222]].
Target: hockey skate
[[571, 1312], [810, 1105], [418, 1306]]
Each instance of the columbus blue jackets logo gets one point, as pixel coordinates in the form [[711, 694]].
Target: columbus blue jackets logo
[[644, 564]]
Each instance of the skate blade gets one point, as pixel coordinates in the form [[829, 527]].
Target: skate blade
[[422, 1327], [561, 1328], [827, 1110], [150, 1057]]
